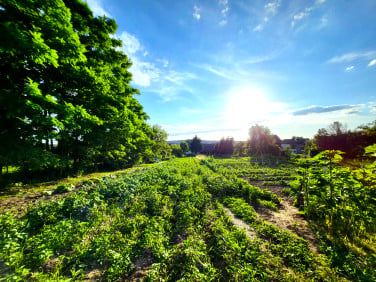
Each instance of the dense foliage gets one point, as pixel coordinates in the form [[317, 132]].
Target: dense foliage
[[65, 98]]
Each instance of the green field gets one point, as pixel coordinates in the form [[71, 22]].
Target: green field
[[193, 220]]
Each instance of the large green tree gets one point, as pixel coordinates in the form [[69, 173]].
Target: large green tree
[[66, 99]]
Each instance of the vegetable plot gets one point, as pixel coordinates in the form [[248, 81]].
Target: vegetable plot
[[167, 222]]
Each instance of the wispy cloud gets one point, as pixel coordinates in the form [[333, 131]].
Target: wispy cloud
[[241, 72], [224, 11], [143, 73], [222, 72], [170, 85], [196, 12], [270, 10], [306, 12], [324, 109], [353, 56], [131, 44], [155, 75], [350, 68], [97, 7]]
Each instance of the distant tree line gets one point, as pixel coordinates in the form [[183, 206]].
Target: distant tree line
[[337, 137]]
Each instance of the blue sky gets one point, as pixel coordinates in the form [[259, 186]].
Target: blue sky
[[214, 68]]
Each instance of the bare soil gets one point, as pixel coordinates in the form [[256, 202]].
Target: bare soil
[[141, 267], [288, 217]]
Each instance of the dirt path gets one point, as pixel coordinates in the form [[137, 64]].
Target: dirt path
[[288, 217], [251, 234]]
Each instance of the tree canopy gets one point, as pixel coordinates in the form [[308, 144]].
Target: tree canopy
[[196, 145], [184, 147], [225, 146], [261, 141], [66, 101]]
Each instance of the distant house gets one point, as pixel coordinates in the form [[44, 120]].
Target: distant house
[[297, 144], [207, 146]]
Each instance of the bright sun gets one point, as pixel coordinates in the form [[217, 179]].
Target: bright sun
[[246, 105]]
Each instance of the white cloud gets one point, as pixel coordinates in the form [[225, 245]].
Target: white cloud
[[130, 43], [350, 68], [154, 75], [372, 63], [97, 7], [196, 12], [352, 56], [143, 73]]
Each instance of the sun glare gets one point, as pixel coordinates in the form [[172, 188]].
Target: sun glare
[[246, 105]]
